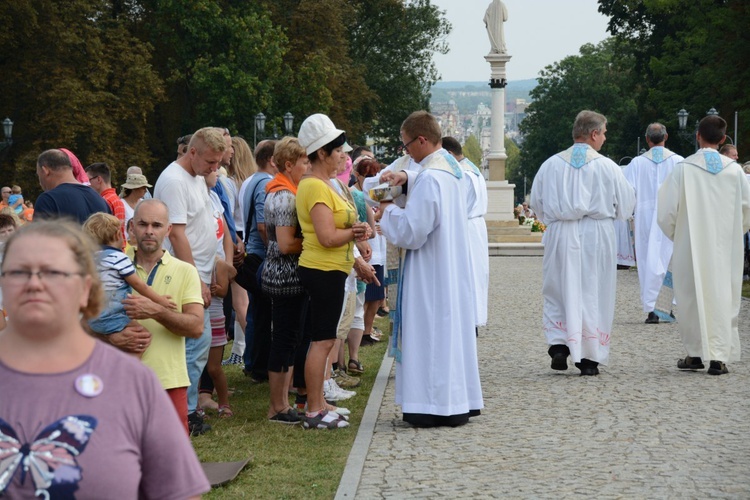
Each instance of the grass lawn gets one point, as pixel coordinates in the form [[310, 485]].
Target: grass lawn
[[746, 289], [288, 462]]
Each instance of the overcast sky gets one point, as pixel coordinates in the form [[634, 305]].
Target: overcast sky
[[538, 33]]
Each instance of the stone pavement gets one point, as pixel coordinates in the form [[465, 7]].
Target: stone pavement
[[641, 429]]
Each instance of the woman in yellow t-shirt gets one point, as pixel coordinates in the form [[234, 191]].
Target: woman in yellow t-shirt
[[329, 228]]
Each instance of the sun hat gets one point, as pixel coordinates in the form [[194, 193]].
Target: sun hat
[[316, 131], [135, 181]]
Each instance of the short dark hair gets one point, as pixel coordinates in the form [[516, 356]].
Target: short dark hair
[[359, 151], [7, 220], [727, 148], [452, 145], [54, 159], [328, 148], [369, 167], [264, 152], [100, 169], [712, 129]]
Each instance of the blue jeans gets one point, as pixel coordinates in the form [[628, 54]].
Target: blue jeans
[[196, 355]]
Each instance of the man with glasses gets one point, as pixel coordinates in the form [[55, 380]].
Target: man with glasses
[[100, 177], [435, 313], [63, 195]]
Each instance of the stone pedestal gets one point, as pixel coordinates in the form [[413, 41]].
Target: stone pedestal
[[499, 192]]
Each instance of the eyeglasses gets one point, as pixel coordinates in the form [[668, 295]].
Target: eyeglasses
[[48, 276], [405, 147], [6, 192]]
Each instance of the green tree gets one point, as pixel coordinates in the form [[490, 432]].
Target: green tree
[[686, 55], [395, 42], [74, 77], [472, 150], [220, 61], [513, 172], [595, 80]]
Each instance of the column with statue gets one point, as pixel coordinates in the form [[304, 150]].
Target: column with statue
[[499, 191]]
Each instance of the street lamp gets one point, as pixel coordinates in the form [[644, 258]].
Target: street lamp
[[682, 117], [260, 126], [288, 123], [8, 141]]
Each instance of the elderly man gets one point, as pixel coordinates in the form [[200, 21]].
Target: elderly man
[[434, 340], [63, 195], [708, 256], [169, 328], [578, 194], [654, 250], [183, 189]]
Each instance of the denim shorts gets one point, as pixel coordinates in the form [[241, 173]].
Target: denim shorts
[[113, 319]]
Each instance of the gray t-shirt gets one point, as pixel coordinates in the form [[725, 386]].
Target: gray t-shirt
[[111, 429]]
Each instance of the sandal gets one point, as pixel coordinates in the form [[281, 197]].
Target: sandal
[[225, 411], [355, 367], [325, 420], [344, 412], [290, 417]]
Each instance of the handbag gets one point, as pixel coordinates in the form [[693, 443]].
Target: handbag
[[248, 272]]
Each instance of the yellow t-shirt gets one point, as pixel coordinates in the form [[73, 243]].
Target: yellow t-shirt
[[310, 192], [166, 354]]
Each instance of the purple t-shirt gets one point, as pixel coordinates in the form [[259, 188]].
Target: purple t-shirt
[[106, 429]]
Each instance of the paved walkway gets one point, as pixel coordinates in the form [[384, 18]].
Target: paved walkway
[[641, 429]]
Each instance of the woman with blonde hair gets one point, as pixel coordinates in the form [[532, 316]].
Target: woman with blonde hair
[[75, 397], [241, 166]]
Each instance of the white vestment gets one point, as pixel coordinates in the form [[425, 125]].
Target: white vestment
[[437, 371], [578, 194], [625, 253], [654, 250], [708, 252], [478, 241]]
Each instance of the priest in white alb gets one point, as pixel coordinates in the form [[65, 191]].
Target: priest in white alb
[[578, 194], [654, 250], [476, 202], [434, 341], [707, 259]]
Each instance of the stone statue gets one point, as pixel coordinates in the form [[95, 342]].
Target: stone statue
[[494, 18]]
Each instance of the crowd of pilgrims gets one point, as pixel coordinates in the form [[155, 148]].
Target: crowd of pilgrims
[[298, 266]]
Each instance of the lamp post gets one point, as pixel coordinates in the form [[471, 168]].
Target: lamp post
[[8, 141], [260, 127], [682, 118]]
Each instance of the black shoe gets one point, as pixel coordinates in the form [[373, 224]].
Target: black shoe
[[652, 319], [382, 313], [621, 267], [691, 363], [559, 354], [196, 425], [588, 367], [717, 368]]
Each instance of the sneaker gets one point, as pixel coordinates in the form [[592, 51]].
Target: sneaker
[[196, 425], [324, 420], [291, 417], [332, 391], [717, 368], [691, 363], [344, 380], [233, 359]]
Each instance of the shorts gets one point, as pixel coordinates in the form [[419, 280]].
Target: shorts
[[374, 292], [218, 322], [113, 319], [347, 315]]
